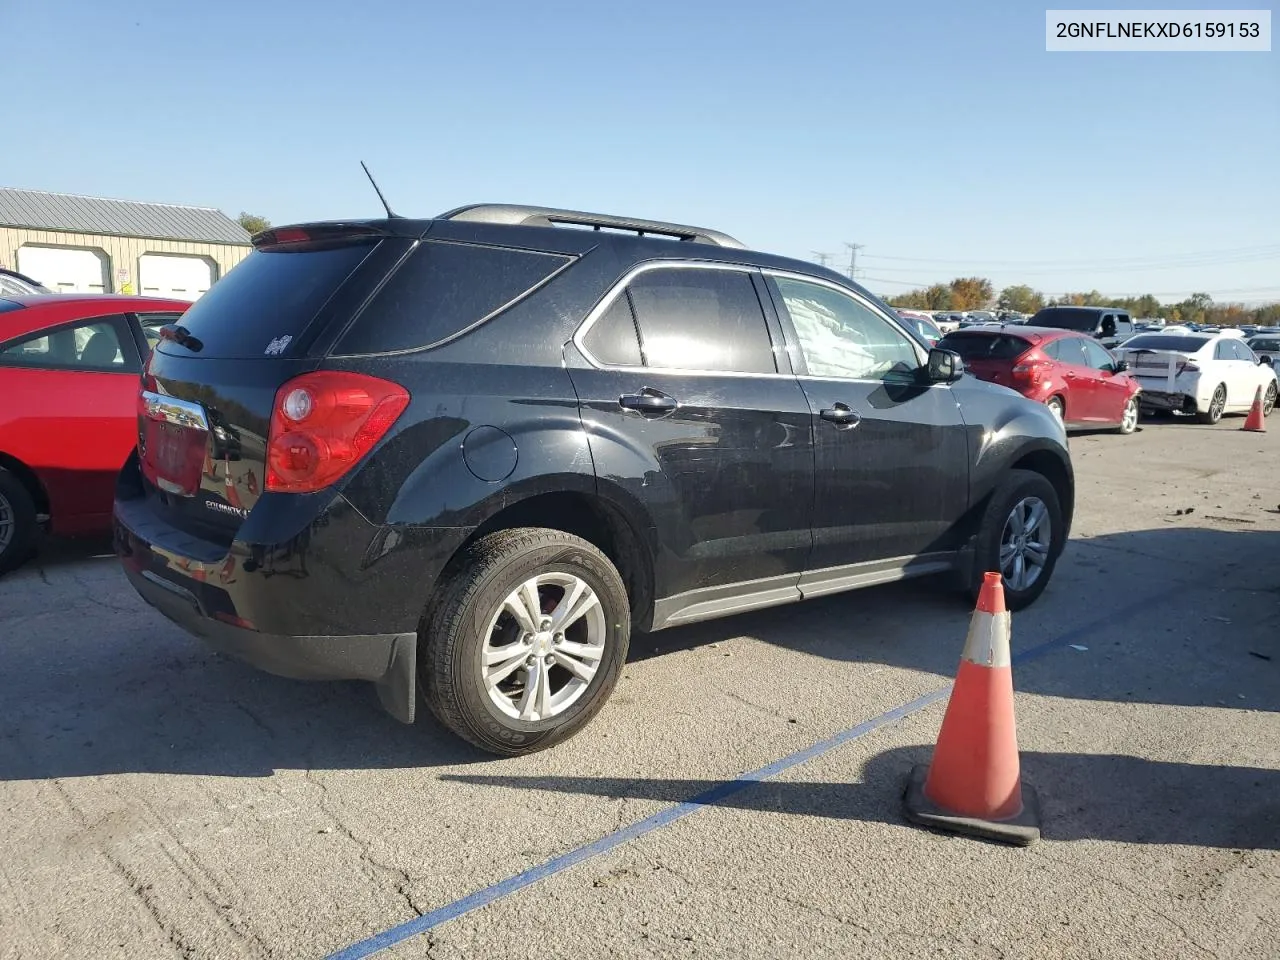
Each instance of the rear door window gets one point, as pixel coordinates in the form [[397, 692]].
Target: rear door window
[[701, 319], [100, 344], [445, 289], [268, 300], [1072, 350]]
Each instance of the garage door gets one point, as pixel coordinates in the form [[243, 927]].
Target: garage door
[[65, 269], [174, 275]]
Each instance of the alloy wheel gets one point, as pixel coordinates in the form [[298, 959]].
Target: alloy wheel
[[543, 647], [7, 523], [1129, 422], [1025, 543]]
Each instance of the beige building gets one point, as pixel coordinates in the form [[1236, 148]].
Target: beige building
[[93, 245]]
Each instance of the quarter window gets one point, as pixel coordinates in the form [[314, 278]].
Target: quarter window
[[612, 339], [840, 337], [700, 319]]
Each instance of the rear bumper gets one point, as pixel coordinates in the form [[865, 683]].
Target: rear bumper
[[308, 589], [386, 659]]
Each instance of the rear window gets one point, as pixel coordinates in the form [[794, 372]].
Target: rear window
[[268, 300], [444, 289], [1066, 318], [1165, 341], [981, 346]]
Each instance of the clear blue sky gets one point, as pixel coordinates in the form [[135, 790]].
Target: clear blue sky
[[941, 132]]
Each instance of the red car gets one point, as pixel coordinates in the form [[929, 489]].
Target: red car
[[1072, 373], [69, 369]]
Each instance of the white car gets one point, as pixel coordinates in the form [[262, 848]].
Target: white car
[[1267, 348], [1207, 374]]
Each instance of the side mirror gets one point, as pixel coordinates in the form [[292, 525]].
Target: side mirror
[[945, 366], [1120, 366]]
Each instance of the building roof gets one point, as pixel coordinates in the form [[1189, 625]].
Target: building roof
[[37, 210]]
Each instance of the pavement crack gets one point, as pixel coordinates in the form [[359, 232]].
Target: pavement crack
[[820, 911]]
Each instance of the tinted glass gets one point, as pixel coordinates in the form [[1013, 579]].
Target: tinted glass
[[94, 344], [1165, 341], [1097, 356], [443, 289], [1050, 349], [612, 339], [267, 300], [842, 337], [1223, 351], [1072, 350], [1270, 345], [7, 305], [1066, 318], [701, 320], [985, 346], [1241, 351]]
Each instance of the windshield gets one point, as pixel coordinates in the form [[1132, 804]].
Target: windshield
[[1166, 341], [1066, 318], [1270, 344]]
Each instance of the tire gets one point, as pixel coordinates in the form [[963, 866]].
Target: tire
[[1217, 403], [1018, 487], [1269, 400], [457, 631], [1129, 419], [17, 523], [1057, 408]]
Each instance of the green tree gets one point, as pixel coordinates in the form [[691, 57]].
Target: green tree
[[911, 300], [252, 222], [1020, 299], [938, 297], [970, 293]]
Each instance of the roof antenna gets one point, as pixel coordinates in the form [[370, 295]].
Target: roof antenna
[[385, 205]]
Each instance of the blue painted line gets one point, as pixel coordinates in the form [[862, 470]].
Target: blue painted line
[[664, 818]]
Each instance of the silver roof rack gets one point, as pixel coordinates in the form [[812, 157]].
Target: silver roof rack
[[516, 214]]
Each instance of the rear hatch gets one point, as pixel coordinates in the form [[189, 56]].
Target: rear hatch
[[988, 355], [211, 382], [1157, 360]]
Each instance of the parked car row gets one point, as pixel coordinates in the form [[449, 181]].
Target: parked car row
[[464, 457]]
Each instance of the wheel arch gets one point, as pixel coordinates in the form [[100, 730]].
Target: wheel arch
[[602, 521], [30, 480]]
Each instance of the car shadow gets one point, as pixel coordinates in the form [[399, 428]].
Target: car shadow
[[154, 700], [1127, 800]]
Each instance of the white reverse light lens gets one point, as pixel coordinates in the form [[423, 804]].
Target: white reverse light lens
[[298, 404]]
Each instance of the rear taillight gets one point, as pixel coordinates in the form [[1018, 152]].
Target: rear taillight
[[322, 423], [1188, 367], [1029, 371]]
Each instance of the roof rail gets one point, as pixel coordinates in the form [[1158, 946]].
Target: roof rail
[[517, 214]]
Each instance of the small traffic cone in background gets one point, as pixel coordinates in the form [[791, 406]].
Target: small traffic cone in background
[[974, 783], [1255, 421], [229, 485]]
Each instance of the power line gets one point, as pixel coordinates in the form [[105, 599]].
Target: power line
[[1260, 251], [823, 259]]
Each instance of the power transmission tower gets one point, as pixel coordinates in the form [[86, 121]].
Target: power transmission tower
[[853, 259], [824, 259]]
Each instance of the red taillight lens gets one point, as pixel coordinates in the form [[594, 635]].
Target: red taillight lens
[[1029, 370], [322, 423]]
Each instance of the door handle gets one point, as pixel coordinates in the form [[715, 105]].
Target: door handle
[[648, 402], [841, 414]]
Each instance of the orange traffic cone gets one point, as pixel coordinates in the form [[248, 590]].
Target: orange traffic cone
[[1255, 421], [229, 485], [974, 783]]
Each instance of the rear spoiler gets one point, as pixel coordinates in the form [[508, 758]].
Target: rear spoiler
[[316, 233]]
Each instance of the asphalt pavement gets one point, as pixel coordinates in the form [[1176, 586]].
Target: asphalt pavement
[[158, 800]]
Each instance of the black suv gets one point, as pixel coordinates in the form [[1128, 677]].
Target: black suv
[[466, 456], [1107, 324]]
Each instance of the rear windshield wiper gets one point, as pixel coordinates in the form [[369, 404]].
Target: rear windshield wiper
[[182, 336]]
